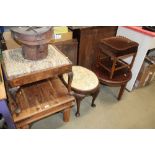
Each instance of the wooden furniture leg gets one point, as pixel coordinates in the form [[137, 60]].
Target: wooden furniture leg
[[121, 91], [66, 114], [78, 101], [113, 68], [14, 95], [133, 59], [25, 126], [70, 78], [80, 85], [94, 95], [79, 98], [22, 126]]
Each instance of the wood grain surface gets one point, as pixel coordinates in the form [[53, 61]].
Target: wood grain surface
[[41, 99]]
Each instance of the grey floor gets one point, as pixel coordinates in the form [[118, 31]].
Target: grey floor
[[136, 110]]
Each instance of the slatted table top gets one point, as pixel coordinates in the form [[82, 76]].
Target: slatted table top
[[18, 69], [42, 98]]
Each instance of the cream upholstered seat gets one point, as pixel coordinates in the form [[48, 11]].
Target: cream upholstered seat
[[83, 79], [84, 83]]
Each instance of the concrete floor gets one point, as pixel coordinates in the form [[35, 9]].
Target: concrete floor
[[136, 110]]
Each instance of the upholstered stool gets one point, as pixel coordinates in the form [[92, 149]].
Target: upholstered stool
[[84, 83]]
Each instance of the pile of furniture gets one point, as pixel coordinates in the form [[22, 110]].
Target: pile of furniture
[[34, 88], [37, 89]]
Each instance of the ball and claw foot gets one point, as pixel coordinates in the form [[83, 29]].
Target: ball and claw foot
[[77, 114], [93, 105]]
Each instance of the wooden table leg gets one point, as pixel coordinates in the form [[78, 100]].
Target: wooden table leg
[[121, 91], [94, 95], [14, 93], [66, 114], [79, 98], [26, 126], [70, 78], [78, 101], [113, 68], [133, 59]]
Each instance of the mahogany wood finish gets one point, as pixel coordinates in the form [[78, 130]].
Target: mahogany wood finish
[[112, 51], [120, 78], [81, 95], [41, 99], [68, 48], [88, 39]]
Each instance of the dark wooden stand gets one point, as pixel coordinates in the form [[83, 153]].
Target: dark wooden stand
[[112, 51]]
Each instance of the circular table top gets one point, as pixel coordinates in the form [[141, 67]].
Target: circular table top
[[83, 79], [120, 77]]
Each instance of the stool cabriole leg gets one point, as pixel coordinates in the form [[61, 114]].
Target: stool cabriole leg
[[79, 98], [94, 97], [70, 78], [78, 101]]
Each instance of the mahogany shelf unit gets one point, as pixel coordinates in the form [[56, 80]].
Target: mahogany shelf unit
[[113, 50]]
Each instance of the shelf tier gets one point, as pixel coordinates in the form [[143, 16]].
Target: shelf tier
[[107, 63], [120, 76], [41, 99]]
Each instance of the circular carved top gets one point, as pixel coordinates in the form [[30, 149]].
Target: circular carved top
[[120, 77], [83, 79], [32, 35]]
